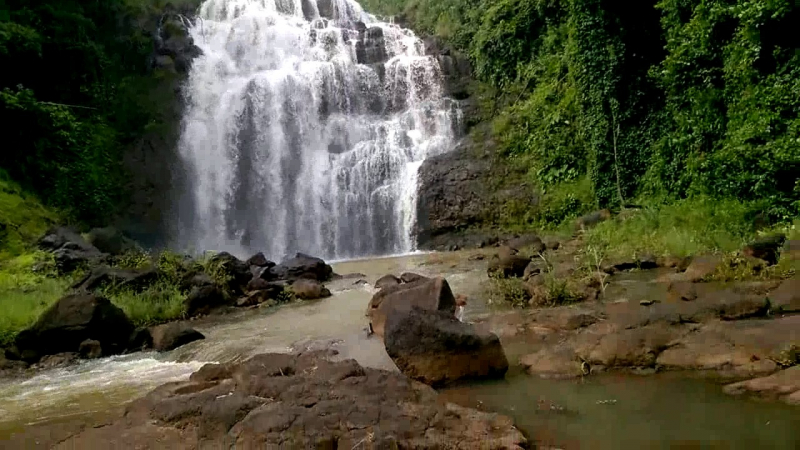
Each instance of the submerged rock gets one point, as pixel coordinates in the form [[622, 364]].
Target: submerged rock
[[71, 321], [173, 335], [436, 348]]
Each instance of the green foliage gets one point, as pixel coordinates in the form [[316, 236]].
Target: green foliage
[[658, 100], [683, 228], [27, 288], [159, 303], [23, 219], [77, 88]]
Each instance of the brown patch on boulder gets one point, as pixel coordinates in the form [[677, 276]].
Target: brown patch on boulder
[[435, 348]]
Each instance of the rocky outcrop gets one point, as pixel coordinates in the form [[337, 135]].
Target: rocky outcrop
[[386, 281], [428, 294], [69, 248], [299, 401], [110, 240], [435, 348], [71, 321], [98, 277]]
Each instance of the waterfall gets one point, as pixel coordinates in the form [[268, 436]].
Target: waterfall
[[305, 126]]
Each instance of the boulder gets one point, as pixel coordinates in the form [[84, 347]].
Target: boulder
[[69, 248], [299, 401], [259, 260], [302, 266], [508, 266], [137, 280], [90, 349], [589, 220], [201, 300], [140, 340], [786, 298], [271, 288], [784, 384], [387, 280], [173, 335], [765, 248], [531, 241], [110, 240], [309, 289], [72, 320], [430, 294], [236, 270], [435, 348]]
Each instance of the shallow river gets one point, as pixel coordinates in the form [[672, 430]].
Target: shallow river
[[604, 412]]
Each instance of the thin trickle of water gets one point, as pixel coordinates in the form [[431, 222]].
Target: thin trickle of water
[[306, 124]]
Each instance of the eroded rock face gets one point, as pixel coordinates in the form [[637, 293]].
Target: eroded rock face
[[435, 348], [428, 294], [73, 320], [300, 401]]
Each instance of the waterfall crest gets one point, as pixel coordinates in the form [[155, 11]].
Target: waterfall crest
[[306, 123]]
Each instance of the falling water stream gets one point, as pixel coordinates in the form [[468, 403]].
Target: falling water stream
[[306, 125]]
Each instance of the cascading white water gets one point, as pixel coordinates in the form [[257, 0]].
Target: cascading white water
[[307, 121]]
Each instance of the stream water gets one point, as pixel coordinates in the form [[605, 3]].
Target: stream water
[[603, 412]]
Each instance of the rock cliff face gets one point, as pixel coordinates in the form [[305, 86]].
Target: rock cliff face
[[149, 158]]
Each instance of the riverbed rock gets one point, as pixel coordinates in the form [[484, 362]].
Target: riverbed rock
[[203, 299], [98, 277], [302, 266], [554, 363], [300, 401], [435, 348], [306, 289], [431, 294], [387, 280], [90, 349], [173, 335], [786, 298], [702, 267], [783, 385], [110, 240], [72, 320]]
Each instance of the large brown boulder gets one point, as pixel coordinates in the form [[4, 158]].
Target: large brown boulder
[[305, 401], [431, 294], [436, 348], [71, 321]]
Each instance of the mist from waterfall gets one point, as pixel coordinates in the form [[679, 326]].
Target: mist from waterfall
[[306, 124]]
